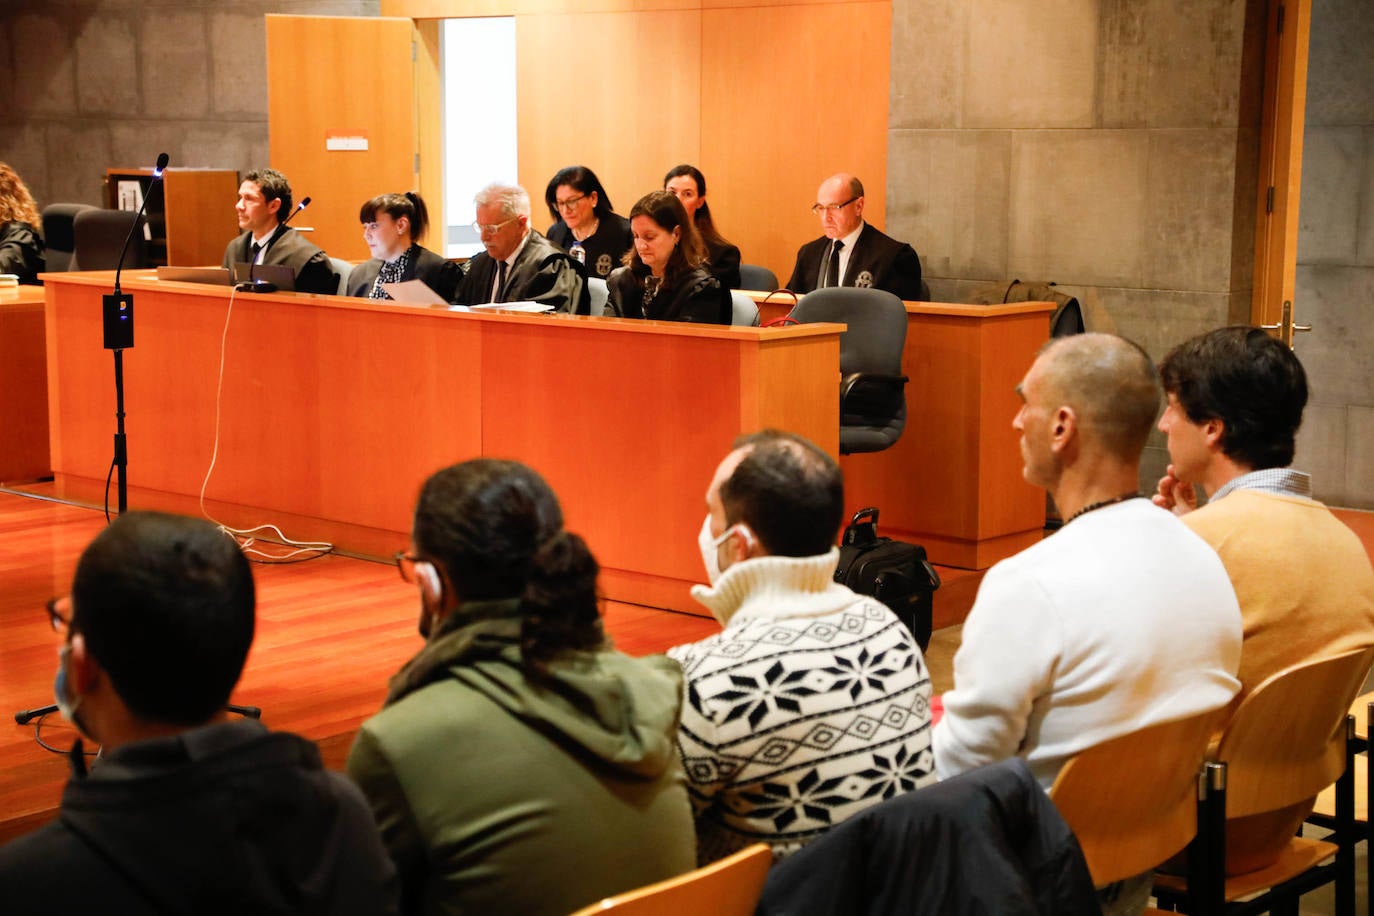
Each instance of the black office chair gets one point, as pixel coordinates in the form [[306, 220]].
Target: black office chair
[[59, 238], [872, 386], [752, 276], [99, 237]]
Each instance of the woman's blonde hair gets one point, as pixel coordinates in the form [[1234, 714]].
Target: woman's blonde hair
[[16, 203]]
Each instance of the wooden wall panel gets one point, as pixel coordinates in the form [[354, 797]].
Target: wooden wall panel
[[341, 74], [23, 385], [466, 9], [626, 105], [789, 96], [429, 114], [767, 97]]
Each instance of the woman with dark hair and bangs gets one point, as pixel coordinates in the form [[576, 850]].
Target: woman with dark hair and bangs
[[393, 226], [21, 243], [689, 186], [665, 276], [584, 225]]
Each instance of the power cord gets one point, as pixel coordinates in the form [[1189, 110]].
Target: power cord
[[247, 538]]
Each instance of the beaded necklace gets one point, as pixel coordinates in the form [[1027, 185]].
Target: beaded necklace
[[1102, 505]]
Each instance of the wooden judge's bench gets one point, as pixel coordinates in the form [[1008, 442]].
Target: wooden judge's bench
[[329, 413]]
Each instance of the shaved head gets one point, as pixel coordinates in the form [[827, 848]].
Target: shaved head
[[1111, 385], [843, 183]]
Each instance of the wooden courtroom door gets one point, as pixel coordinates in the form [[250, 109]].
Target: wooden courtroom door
[[1276, 231], [341, 112]]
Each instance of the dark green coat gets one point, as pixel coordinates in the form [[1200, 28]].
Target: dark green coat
[[498, 791]]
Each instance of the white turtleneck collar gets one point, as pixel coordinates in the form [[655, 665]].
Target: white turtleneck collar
[[776, 587]]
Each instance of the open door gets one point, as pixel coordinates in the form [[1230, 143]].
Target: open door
[[341, 102], [1276, 230]]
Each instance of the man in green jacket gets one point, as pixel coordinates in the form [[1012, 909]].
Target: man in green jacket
[[520, 764]]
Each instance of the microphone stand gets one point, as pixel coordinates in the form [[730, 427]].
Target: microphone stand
[[118, 312]]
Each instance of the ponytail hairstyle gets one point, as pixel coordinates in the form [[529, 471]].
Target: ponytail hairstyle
[[496, 529], [410, 205]]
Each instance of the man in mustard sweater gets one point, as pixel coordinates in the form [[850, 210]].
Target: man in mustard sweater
[[1303, 579]]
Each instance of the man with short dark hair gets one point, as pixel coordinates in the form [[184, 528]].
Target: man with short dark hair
[[185, 810], [518, 264], [813, 702], [263, 207], [851, 252], [1123, 618], [1306, 589]]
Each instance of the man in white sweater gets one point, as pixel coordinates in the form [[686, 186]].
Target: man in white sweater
[[813, 702], [1122, 619]]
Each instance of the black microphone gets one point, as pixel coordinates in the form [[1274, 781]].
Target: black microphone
[[119, 308], [252, 285]]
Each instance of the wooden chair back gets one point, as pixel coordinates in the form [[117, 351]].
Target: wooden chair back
[[1286, 741], [1132, 801], [730, 887]]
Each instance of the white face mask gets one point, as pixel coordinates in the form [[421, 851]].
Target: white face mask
[[710, 547]]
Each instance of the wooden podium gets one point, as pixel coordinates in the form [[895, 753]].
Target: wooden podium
[[190, 218], [953, 481], [334, 411], [23, 386]]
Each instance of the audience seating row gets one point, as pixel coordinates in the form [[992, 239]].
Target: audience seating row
[[1290, 738], [1131, 803]]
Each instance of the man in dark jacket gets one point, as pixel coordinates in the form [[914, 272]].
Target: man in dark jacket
[[184, 811], [851, 252], [519, 264], [263, 207]]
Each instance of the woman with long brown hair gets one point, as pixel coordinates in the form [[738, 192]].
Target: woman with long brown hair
[[665, 276], [689, 186], [21, 242]]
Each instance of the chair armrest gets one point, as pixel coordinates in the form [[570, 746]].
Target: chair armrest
[[871, 399]]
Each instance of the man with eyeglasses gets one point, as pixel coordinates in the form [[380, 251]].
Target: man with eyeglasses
[[519, 264], [851, 252], [187, 809]]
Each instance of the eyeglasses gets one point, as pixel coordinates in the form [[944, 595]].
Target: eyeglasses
[[405, 565], [570, 204], [58, 620], [821, 208], [483, 229]]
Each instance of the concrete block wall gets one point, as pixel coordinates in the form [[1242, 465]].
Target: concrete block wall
[[93, 84], [1335, 280], [1110, 146]]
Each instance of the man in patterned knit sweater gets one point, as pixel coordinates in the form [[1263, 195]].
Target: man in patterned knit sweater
[[813, 702]]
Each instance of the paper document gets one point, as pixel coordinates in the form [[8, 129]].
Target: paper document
[[513, 307], [413, 292]]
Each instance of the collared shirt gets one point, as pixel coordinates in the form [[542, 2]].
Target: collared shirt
[[1281, 481], [510, 263], [845, 252], [262, 244]]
